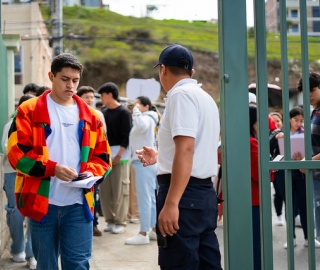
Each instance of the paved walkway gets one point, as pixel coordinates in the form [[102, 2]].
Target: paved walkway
[[110, 252]]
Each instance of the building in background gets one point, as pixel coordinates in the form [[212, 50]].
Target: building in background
[[33, 61], [293, 17]]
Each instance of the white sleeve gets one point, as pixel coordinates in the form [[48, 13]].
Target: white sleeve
[[140, 121], [183, 115], [4, 140]]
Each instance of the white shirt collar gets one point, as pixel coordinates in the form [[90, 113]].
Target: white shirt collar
[[181, 82]]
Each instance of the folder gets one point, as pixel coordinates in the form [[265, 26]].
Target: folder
[[296, 144]]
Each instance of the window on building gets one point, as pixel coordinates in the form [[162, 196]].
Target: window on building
[[294, 13], [18, 67], [295, 28], [316, 12], [316, 26]]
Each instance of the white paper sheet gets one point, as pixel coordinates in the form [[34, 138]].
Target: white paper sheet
[[85, 183], [296, 144]]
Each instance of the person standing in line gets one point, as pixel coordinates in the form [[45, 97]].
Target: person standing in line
[[41, 90], [298, 180], [255, 195], [277, 175], [277, 118], [52, 139], [145, 120], [87, 94], [31, 89], [99, 105], [314, 83], [133, 212], [19, 249], [114, 191], [186, 160]]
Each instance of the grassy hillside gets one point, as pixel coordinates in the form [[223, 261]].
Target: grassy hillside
[[116, 48]]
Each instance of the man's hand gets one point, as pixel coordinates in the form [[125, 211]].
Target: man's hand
[[65, 173], [116, 160], [168, 220], [147, 155]]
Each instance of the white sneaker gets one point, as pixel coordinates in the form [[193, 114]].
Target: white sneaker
[[294, 244], [152, 235], [134, 220], [19, 257], [108, 227], [316, 243], [279, 221], [118, 229], [139, 239], [32, 263], [297, 221]]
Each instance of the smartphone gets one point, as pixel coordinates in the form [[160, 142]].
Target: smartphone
[[81, 176], [162, 241]]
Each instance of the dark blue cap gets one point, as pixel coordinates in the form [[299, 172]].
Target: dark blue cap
[[177, 56]]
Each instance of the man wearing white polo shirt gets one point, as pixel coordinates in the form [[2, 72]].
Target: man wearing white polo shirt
[[187, 159]]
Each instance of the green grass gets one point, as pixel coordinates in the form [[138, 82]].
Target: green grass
[[112, 31]]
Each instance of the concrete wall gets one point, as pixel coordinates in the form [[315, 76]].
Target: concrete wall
[[27, 21], [4, 231]]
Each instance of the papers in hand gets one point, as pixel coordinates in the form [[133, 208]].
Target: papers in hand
[[85, 183], [296, 144]]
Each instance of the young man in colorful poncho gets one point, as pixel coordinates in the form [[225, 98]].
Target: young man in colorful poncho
[[52, 139]]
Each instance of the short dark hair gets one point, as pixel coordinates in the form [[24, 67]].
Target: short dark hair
[[99, 104], [41, 90], [253, 118], [179, 71], [30, 87], [65, 60], [109, 87], [24, 98], [145, 101], [297, 110], [84, 90], [314, 81]]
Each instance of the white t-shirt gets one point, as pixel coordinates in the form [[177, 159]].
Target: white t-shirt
[[192, 112], [64, 147]]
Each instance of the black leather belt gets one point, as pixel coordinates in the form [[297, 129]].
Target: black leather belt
[[166, 179]]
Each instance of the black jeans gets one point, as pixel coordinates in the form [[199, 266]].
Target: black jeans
[[298, 197]]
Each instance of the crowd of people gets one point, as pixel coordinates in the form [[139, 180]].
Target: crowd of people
[[151, 168]]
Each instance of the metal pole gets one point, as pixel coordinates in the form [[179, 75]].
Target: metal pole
[[233, 64], [1, 18], [264, 157], [56, 10]]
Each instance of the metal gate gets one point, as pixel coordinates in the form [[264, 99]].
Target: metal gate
[[235, 134]]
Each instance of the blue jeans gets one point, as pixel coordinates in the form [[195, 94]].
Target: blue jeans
[[316, 191], [145, 187], [195, 245], [65, 232], [15, 219]]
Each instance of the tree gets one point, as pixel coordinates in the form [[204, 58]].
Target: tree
[[150, 9]]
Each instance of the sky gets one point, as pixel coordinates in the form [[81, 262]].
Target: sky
[[174, 9]]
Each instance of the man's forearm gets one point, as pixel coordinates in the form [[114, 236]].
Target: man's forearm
[[181, 171]]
